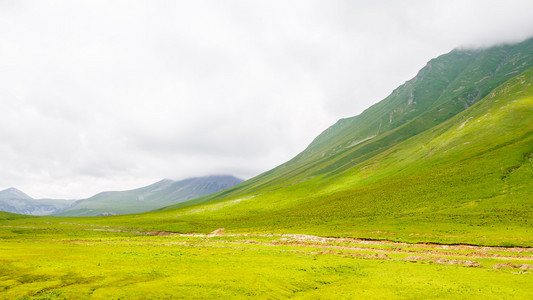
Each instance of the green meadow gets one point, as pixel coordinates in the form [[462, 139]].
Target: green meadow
[[81, 264]]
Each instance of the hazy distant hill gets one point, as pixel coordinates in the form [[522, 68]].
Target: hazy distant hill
[[15, 201], [163, 193]]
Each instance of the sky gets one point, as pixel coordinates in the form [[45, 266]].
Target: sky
[[114, 95]]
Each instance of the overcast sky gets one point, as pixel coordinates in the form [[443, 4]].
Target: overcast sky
[[113, 95]]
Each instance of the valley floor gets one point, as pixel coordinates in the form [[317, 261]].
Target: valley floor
[[103, 262]]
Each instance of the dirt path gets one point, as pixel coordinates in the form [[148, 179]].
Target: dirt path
[[96, 229], [432, 253], [373, 249], [389, 250], [297, 239]]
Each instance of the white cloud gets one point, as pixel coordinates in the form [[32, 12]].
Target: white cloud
[[100, 95]]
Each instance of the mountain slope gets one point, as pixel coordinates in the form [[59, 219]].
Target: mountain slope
[[467, 179], [446, 86], [157, 195], [15, 201]]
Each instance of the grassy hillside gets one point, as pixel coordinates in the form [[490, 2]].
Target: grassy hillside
[[467, 179], [446, 86]]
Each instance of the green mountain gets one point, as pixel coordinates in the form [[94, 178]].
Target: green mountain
[[446, 156], [163, 193], [446, 86], [15, 201]]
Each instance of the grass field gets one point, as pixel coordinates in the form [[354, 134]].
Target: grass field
[[81, 263]]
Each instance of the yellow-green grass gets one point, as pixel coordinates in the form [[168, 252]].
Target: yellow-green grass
[[107, 265]]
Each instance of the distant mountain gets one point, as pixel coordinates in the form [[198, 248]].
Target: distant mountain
[[13, 193], [163, 193], [15, 201]]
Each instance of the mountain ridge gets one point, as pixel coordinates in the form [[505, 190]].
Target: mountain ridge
[[167, 190], [445, 86], [154, 196], [15, 201], [14, 192]]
